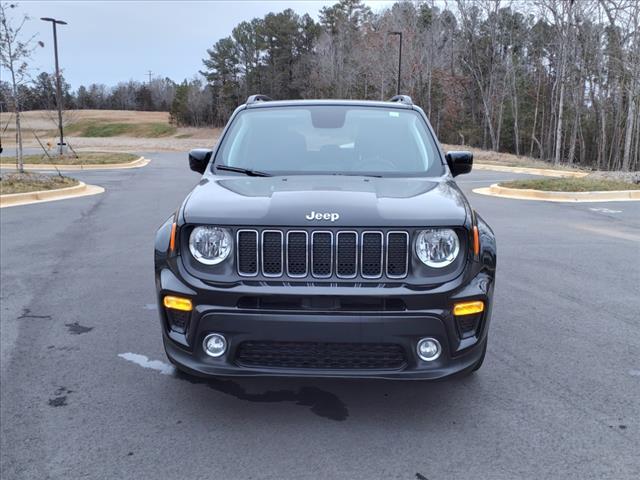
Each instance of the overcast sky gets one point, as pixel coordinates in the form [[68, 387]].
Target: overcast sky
[[107, 42]]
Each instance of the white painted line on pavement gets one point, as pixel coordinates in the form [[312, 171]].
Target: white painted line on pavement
[[605, 210], [144, 362]]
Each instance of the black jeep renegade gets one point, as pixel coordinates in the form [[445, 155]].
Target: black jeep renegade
[[326, 238]]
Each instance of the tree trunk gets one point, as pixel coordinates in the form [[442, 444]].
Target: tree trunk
[[558, 148], [629, 128]]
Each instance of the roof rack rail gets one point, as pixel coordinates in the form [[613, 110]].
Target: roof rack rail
[[405, 99], [257, 98]]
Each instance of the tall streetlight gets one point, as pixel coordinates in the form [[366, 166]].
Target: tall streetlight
[[399, 58], [55, 22]]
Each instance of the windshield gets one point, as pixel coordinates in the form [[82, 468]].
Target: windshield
[[347, 140]]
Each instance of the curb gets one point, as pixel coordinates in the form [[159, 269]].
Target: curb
[[80, 190], [139, 163], [496, 190], [545, 172]]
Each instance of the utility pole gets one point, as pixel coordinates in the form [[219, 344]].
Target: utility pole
[[399, 59], [55, 22], [149, 72]]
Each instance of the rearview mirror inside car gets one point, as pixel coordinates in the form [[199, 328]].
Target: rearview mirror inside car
[[199, 159], [459, 162]]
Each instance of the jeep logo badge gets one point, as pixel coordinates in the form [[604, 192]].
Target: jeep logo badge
[[322, 216]]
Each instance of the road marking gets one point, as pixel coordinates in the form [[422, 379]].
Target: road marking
[[144, 362], [634, 373], [604, 210], [608, 232]]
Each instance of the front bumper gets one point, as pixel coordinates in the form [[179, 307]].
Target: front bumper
[[427, 314]]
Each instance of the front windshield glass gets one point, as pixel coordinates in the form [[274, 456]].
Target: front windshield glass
[[348, 140]]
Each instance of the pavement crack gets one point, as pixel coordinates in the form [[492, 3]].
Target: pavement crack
[[60, 398], [77, 329], [26, 313]]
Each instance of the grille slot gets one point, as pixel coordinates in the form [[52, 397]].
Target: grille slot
[[316, 355], [347, 254], [321, 254], [397, 254], [297, 253], [247, 252], [272, 253], [371, 254]]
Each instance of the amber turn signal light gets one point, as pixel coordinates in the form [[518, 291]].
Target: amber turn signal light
[[178, 303], [172, 240], [468, 308], [476, 241]]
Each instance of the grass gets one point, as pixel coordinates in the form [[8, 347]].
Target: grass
[[571, 185], [32, 182], [97, 128], [84, 158]]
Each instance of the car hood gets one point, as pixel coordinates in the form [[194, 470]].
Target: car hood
[[358, 201]]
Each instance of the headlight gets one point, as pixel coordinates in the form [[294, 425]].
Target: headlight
[[210, 245], [437, 247]]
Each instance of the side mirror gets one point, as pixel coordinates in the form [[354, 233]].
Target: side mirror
[[199, 159], [459, 162]]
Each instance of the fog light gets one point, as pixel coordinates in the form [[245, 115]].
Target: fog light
[[429, 349], [214, 345]]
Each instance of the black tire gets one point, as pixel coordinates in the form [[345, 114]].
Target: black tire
[[480, 361]]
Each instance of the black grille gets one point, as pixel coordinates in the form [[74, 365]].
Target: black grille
[[178, 320], [347, 258], [297, 254], [272, 253], [248, 252], [328, 356], [468, 324], [371, 254], [397, 246], [321, 254]]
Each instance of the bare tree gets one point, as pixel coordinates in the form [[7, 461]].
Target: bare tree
[[14, 56]]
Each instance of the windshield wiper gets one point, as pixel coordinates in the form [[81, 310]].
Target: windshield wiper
[[246, 171], [357, 175]]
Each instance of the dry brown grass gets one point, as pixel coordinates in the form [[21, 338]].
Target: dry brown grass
[[572, 185], [32, 182], [505, 159], [83, 158], [121, 130]]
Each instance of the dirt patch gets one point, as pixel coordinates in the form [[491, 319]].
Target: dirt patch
[[32, 182]]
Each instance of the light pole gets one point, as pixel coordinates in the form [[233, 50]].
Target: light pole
[[55, 22], [399, 58]]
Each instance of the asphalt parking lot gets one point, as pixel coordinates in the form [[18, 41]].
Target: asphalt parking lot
[[86, 390]]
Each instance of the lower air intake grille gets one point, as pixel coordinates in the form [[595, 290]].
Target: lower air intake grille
[[326, 356]]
